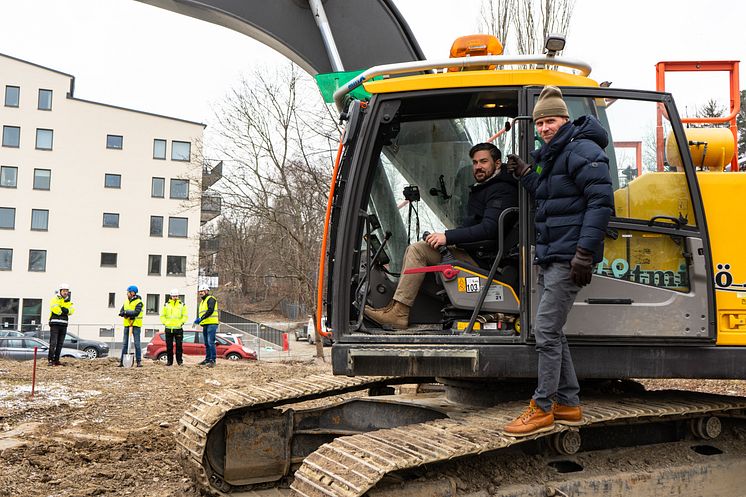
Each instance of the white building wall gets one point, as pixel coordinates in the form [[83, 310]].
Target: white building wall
[[78, 199]]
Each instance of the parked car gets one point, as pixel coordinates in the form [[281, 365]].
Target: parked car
[[22, 349], [11, 333], [312, 332], [193, 344], [92, 348], [301, 333]]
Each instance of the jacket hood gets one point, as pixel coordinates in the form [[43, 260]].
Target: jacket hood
[[583, 128]]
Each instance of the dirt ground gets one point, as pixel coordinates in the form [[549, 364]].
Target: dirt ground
[[95, 429]]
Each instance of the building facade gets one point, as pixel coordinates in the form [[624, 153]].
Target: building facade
[[96, 196]]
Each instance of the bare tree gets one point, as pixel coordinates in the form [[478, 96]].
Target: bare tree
[[276, 138], [524, 24]]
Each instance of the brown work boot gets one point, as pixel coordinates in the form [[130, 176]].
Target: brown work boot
[[533, 420], [395, 315], [567, 415]]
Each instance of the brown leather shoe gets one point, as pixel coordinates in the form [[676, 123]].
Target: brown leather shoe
[[533, 420], [567, 415], [395, 315]]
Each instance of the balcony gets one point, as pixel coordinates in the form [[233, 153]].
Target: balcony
[[209, 246], [211, 174], [211, 207]]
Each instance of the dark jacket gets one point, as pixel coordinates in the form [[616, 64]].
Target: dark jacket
[[486, 201], [573, 193]]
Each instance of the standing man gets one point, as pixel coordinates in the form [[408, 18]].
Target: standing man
[[173, 317], [61, 307], [573, 194], [207, 317], [131, 312], [493, 191]]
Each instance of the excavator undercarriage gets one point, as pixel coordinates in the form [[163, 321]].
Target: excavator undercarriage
[[313, 436]]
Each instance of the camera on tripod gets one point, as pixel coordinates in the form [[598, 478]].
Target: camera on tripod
[[412, 193]]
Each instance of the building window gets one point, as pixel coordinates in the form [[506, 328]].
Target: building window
[[37, 260], [151, 303], [42, 179], [167, 297], [8, 176], [159, 149], [11, 136], [181, 151], [154, 265], [12, 96], [45, 99], [6, 259], [179, 188], [114, 141], [158, 188], [31, 315], [111, 220], [112, 296], [177, 227], [39, 219], [176, 265], [44, 139], [156, 225], [108, 259], [112, 180], [7, 218]]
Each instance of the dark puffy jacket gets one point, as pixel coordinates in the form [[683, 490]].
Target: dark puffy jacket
[[486, 201], [573, 193]]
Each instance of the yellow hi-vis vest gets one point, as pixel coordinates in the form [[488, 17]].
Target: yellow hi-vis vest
[[56, 315], [130, 305], [174, 314], [213, 318]]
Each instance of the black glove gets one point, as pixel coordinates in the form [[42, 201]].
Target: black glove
[[65, 311], [581, 267], [517, 166], [122, 314]]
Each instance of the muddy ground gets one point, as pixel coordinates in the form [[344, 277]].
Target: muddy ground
[[95, 429]]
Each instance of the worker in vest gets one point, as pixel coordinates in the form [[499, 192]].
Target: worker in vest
[[131, 312], [173, 317], [207, 317], [60, 309]]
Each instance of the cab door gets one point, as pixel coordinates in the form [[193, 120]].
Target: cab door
[[655, 280]]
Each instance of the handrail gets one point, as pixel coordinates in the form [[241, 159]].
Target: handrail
[[482, 60]]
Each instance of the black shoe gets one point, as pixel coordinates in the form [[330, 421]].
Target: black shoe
[[120, 365], [139, 364], [58, 363], [180, 363], [169, 364], [203, 363], [50, 363], [210, 364]]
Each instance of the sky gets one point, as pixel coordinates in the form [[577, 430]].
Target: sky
[[126, 53]]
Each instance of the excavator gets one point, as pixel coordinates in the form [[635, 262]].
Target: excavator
[[667, 301]]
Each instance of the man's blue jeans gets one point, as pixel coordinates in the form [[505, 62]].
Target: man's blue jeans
[[208, 333], [557, 377], [136, 338]]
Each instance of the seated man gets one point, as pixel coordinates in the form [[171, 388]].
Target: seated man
[[495, 190]]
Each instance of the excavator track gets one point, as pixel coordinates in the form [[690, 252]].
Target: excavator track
[[351, 466], [195, 425]]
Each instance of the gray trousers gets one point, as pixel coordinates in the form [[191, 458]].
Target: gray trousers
[[556, 373]]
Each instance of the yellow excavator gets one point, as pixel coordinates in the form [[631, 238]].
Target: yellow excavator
[[667, 301]]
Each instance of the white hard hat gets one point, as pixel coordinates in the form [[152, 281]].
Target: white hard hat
[[174, 292], [203, 288], [63, 286]]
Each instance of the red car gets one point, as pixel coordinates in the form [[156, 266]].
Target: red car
[[193, 345]]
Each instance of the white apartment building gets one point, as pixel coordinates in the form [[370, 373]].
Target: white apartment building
[[97, 196]]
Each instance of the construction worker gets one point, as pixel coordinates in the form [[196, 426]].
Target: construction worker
[[61, 307], [573, 194], [131, 312], [173, 317], [207, 317]]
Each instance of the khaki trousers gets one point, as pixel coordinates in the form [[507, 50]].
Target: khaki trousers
[[421, 254]]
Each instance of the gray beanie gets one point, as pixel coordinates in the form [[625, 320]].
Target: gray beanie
[[550, 103]]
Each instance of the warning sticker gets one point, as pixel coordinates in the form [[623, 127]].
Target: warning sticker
[[472, 285], [462, 285]]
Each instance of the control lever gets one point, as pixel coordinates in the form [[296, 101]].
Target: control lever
[[445, 255]]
